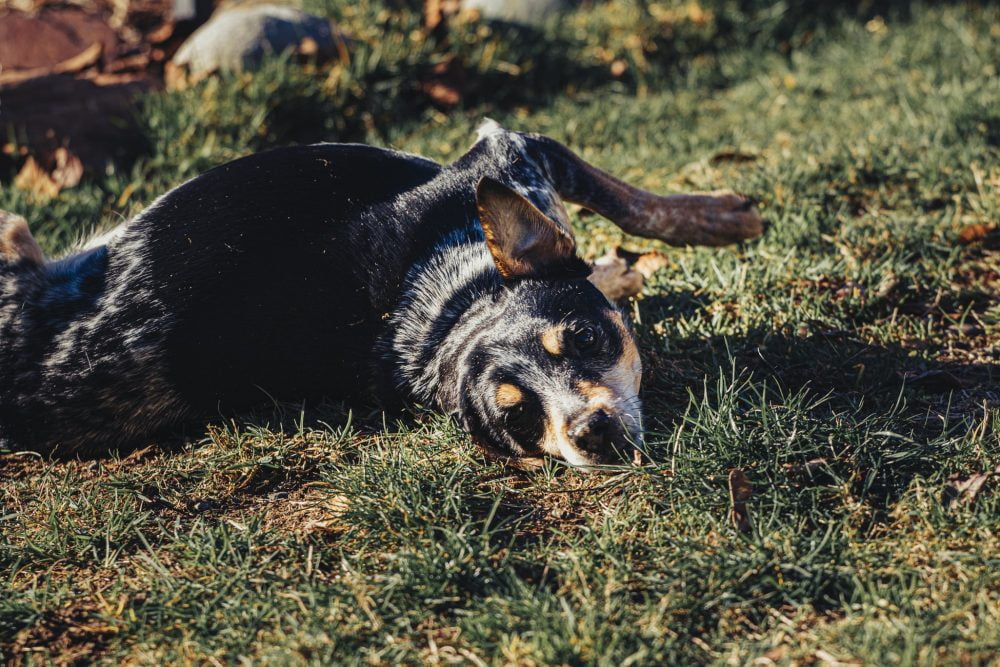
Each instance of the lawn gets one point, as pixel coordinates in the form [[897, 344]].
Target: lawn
[[848, 362]]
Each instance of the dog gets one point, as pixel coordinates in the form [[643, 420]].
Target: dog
[[350, 272]]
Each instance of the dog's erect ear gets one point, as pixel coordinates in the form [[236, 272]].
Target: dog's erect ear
[[524, 242], [16, 242]]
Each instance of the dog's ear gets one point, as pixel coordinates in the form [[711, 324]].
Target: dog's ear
[[524, 242]]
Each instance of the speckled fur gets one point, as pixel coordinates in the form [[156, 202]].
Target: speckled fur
[[330, 270]]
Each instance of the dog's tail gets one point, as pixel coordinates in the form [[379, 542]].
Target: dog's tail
[[17, 245], [711, 219]]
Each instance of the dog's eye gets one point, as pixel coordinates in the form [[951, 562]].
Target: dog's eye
[[586, 340], [521, 422], [517, 416]]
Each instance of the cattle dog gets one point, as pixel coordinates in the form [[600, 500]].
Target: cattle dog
[[344, 271]]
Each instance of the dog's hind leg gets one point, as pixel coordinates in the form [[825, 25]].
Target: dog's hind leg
[[710, 219], [17, 245]]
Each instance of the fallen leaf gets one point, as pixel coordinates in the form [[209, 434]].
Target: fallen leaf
[[974, 233], [740, 491], [615, 279], [437, 11], [80, 61], [162, 33], [445, 84], [649, 263], [732, 156], [66, 172], [637, 457], [621, 273], [35, 179], [964, 491], [442, 94], [137, 63]]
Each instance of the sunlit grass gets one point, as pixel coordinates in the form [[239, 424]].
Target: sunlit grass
[[847, 361]]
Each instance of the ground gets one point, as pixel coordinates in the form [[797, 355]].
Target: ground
[[847, 362]]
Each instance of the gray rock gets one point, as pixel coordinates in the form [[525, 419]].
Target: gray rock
[[239, 38], [527, 12]]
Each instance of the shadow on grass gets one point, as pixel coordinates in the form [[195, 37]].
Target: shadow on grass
[[873, 415]]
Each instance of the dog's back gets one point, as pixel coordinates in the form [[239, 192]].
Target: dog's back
[[248, 278], [321, 271]]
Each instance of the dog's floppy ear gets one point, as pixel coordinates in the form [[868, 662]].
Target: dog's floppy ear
[[524, 242]]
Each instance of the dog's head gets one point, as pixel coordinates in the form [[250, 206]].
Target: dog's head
[[558, 372]]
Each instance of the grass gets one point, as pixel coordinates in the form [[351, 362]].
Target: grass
[[848, 362]]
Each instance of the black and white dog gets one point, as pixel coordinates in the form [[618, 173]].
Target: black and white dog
[[344, 271]]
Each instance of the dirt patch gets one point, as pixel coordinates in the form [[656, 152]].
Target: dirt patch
[[69, 79], [74, 635]]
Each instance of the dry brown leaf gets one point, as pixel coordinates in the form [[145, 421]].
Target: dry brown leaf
[[621, 273], [964, 491], [433, 15], [35, 179], [732, 156], [740, 492], [615, 278], [974, 233], [445, 83], [649, 263], [81, 61], [67, 171], [436, 11], [162, 33], [637, 457], [442, 94]]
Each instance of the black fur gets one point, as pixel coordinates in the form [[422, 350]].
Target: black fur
[[330, 270]]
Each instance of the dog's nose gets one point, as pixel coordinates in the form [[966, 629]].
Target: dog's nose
[[593, 432]]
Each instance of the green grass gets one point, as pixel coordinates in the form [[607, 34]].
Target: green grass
[[860, 331]]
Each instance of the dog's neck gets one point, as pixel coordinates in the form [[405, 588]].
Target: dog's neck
[[448, 291], [444, 306]]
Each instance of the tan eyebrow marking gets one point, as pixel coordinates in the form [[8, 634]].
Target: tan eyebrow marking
[[508, 395], [594, 391], [622, 379], [552, 340]]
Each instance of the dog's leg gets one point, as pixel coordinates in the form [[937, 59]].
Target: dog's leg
[[16, 242], [711, 219]]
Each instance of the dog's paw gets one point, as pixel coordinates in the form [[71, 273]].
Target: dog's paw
[[16, 242], [709, 219], [726, 217]]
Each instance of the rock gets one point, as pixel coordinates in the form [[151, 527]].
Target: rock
[[527, 12], [240, 38]]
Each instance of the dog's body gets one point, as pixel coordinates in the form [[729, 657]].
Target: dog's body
[[342, 270]]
